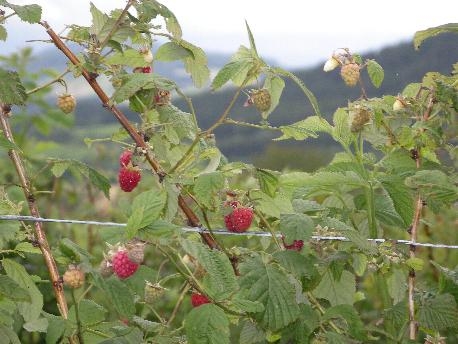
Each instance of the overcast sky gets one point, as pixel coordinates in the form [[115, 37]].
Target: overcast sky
[[293, 33]]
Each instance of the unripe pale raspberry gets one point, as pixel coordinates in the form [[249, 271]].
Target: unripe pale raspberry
[[153, 292], [261, 99], [66, 102], [361, 116], [350, 73], [106, 268], [73, 277], [123, 267]]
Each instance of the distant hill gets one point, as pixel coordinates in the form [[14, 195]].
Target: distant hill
[[402, 65]]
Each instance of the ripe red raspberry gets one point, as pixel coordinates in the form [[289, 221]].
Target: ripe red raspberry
[[66, 102], [296, 245], [123, 267], [125, 158], [350, 73], [199, 300], [73, 277], [239, 220], [128, 178]]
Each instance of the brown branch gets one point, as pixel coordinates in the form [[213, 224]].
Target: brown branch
[[40, 234], [138, 139]]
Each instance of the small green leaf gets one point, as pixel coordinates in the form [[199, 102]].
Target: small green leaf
[[228, 72], [401, 196], [128, 57], [73, 251], [376, 73], [415, 263], [28, 13], [11, 89], [207, 324], [99, 20], [396, 282], [351, 317], [8, 336], [337, 292], [12, 290], [207, 186], [59, 167], [420, 36], [221, 278], [56, 329], [196, 64], [309, 127], [27, 247], [4, 143], [251, 38], [275, 85], [341, 130], [3, 33], [99, 181], [171, 51], [296, 226], [118, 294], [37, 325], [30, 311], [268, 181]]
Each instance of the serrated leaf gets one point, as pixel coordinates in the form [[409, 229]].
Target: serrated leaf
[[251, 39], [30, 311], [401, 197], [438, 313], [228, 72], [11, 89], [56, 329], [99, 19], [296, 226], [385, 211], [8, 336], [350, 315], [341, 131], [337, 291], [306, 206], [12, 290], [396, 282], [118, 294], [451, 274], [90, 313], [309, 127], [275, 85], [296, 263], [376, 73], [268, 181], [3, 33], [73, 251], [27, 247], [4, 143], [420, 36], [221, 278], [59, 167], [37, 325], [415, 263], [274, 206], [147, 325], [251, 334], [146, 208], [207, 186], [171, 51], [207, 324], [246, 306], [28, 13], [96, 179], [269, 285], [196, 64]]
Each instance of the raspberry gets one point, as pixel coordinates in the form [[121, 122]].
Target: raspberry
[[147, 55], [73, 277], [261, 99], [198, 299], [125, 158], [106, 268], [128, 178], [361, 116], [145, 70], [350, 73], [123, 267], [153, 292], [239, 220], [136, 251], [162, 97], [66, 102], [296, 245]]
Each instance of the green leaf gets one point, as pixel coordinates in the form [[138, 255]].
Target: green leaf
[[90, 313], [147, 325], [59, 167], [37, 325], [337, 292], [438, 313], [146, 208], [415, 263], [56, 329], [341, 130], [268, 181], [8, 336], [118, 294], [28, 13], [396, 282], [30, 311], [196, 64], [351, 317], [27, 247], [385, 211], [171, 51], [296, 226], [269, 285], [309, 127], [401, 196], [221, 279], [11, 89], [420, 36], [99, 19], [296, 263], [3, 33], [207, 186], [246, 306], [128, 57], [12, 290], [4, 143], [96, 179], [229, 72], [207, 324], [274, 206], [251, 38], [73, 251], [275, 85], [251, 334], [376, 73]]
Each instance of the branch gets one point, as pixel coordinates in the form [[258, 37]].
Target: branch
[[40, 234], [138, 139]]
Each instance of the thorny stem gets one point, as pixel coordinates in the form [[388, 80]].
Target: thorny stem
[[250, 125], [49, 83], [138, 139], [40, 234]]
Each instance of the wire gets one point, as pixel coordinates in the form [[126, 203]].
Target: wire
[[217, 231]]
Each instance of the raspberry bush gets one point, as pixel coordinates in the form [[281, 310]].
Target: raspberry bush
[[394, 178]]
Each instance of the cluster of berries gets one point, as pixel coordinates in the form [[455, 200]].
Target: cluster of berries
[[122, 260], [129, 175]]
